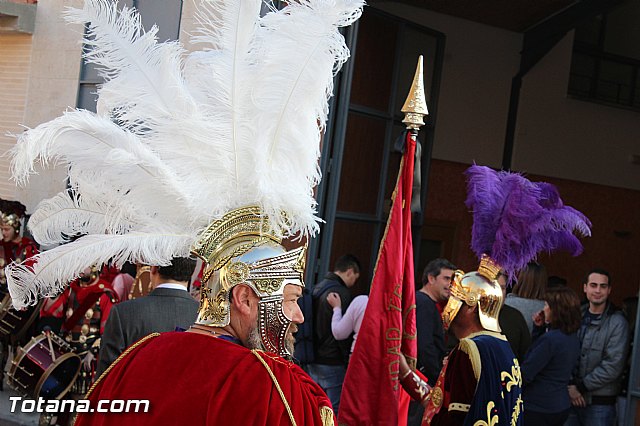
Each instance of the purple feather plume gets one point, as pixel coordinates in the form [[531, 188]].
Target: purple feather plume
[[514, 219]]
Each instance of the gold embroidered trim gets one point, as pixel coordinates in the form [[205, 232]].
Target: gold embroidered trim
[[436, 396], [492, 420], [469, 347], [487, 333], [515, 377], [277, 385], [457, 406], [517, 410], [326, 415]]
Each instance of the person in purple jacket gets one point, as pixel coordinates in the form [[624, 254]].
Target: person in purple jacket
[[553, 355]]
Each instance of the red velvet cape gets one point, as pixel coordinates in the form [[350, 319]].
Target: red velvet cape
[[194, 379]]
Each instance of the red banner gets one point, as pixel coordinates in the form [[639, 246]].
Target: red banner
[[371, 394]]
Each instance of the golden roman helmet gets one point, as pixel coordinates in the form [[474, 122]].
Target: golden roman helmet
[[241, 248], [479, 288], [12, 220]]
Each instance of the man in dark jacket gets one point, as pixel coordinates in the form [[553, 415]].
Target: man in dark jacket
[[604, 336], [167, 307], [436, 285], [330, 355]]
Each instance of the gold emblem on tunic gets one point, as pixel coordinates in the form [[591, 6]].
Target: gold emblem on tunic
[[436, 397]]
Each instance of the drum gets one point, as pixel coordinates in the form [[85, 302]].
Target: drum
[[45, 367], [142, 284], [15, 323]]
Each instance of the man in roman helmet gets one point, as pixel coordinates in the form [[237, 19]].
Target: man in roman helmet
[[16, 247], [480, 380], [492, 384], [238, 351]]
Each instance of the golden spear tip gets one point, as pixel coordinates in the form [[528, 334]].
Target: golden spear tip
[[415, 107]]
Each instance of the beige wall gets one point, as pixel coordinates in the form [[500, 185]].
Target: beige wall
[[44, 72], [187, 23], [15, 59], [53, 83], [566, 138]]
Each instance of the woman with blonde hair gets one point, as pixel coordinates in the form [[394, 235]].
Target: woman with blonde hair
[[529, 291]]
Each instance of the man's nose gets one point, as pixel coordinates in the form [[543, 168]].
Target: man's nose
[[297, 315]]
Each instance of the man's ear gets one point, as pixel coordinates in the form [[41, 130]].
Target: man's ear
[[242, 298], [468, 310], [154, 270]]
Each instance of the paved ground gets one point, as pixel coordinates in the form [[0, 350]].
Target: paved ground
[[7, 418]]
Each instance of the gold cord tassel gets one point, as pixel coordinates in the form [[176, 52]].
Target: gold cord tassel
[[326, 414]]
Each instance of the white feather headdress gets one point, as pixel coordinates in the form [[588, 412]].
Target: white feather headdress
[[182, 138]]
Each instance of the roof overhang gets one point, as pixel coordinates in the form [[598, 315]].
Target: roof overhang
[[512, 15]]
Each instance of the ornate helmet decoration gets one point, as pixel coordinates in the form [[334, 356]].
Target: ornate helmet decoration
[[213, 151], [513, 220], [12, 220], [241, 249]]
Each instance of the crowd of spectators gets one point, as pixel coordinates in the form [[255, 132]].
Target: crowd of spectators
[[574, 353]]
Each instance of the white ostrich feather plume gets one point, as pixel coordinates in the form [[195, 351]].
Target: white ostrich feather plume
[[182, 138], [29, 283]]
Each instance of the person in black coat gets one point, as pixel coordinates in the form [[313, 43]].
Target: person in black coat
[[167, 307], [330, 355]]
